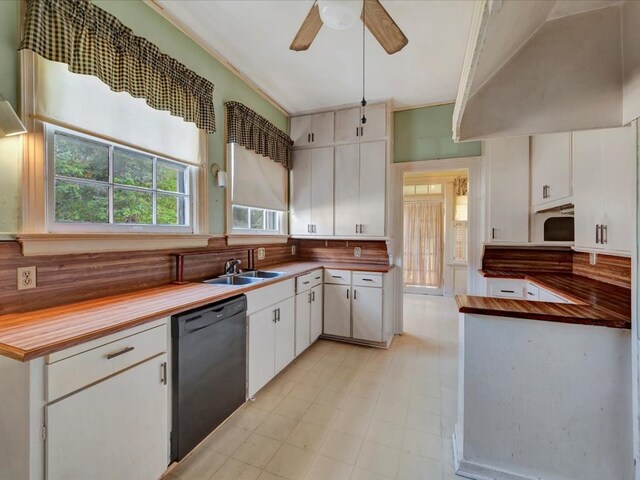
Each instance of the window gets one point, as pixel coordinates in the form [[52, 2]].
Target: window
[[257, 220], [100, 186], [460, 229], [432, 189]]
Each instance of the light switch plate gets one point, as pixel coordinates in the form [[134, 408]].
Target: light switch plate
[[293, 249], [262, 253], [26, 278], [592, 258], [357, 252]]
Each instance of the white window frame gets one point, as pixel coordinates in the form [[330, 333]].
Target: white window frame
[[259, 231], [59, 227]]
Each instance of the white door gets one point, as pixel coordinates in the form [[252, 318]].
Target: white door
[[376, 126], [337, 310], [347, 185], [322, 190], [114, 429], [322, 129], [550, 167], [301, 130], [348, 125], [367, 313], [261, 349], [372, 180], [508, 176], [316, 312], [303, 321], [619, 187], [285, 338], [300, 192], [587, 182]]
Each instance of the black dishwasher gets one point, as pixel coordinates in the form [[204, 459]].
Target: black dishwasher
[[209, 370]]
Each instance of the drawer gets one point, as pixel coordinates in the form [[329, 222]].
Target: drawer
[[506, 289], [308, 281], [262, 297], [547, 296], [533, 292], [338, 277], [363, 279], [73, 373]]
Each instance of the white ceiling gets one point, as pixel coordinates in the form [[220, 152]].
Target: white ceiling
[[254, 36]]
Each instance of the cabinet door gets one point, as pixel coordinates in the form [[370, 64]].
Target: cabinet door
[[322, 129], [587, 181], [337, 310], [301, 130], [550, 167], [303, 321], [367, 313], [508, 189], [376, 126], [372, 181], [618, 187], [322, 190], [347, 185], [117, 428], [348, 125], [285, 338], [316, 312], [261, 349], [300, 192]]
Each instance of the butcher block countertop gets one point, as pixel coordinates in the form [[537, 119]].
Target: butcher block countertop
[[595, 303], [29, 335]]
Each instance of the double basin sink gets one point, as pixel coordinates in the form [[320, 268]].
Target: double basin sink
[[246, 278]]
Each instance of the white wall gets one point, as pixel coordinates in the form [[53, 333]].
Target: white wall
[[544, 400], [631, 50], [10, 188]]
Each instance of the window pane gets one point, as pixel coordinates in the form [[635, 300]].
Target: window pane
[[132, 168], [81, 202], [271, 220], [434, 189], [78, 158], [422, 189], [240, 217], [408, 190], [170, 177], [257, 219], [171, 210], [131, 206]]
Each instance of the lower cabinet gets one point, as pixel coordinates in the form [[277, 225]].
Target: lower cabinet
[[367, 313], [271, 342], [337, 310], [308, 309], [317, 301]]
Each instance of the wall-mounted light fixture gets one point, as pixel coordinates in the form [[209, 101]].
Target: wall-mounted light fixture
[[219, 175], [10, 123]]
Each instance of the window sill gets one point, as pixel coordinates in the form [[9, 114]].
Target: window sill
[[34, 244], [255, 239]]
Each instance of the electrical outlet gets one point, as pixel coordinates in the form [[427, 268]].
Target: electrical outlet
[[592, 258], [357, 252], [26, 278], [262, 253], [293, 249]]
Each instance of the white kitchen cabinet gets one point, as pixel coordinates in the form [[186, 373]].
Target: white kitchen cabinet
[[367, 313], [551, 170], [547, 296], [337, 310], [506, 288], [284, 334], [311, 192], [349, 128], [360, 189], [605, 189], [117, 428], [508, 189], [312, 130], [308, 309], [317, 310], [303, 321]]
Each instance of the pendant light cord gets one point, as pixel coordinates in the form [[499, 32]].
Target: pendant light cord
[[363, 120]]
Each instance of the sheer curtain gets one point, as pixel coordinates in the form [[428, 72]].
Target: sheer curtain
[[423, 234]]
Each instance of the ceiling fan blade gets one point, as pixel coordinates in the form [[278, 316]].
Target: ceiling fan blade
[[308, 31], [382, 26]]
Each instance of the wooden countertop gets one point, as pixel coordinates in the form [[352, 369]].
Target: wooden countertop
[[24, 336], [595, 303]]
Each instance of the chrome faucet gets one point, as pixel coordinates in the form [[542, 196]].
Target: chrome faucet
[[231, 266]]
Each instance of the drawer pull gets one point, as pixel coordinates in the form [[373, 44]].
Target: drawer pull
[[508, 291], [305, 283], [109, 356], [336, 276], [530, 293], [317, 278], [163, 373], [367, 280]]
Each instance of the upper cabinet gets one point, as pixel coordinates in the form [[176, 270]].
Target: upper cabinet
[[507, 161], [551, 169], [312, 130], [605, 189], [349, 129]]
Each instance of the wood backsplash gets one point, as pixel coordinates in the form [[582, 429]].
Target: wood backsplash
[[527, 259], [374, 252], [608, 268]]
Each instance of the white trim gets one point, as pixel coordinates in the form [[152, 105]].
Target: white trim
[[635, 330], [34, 244]]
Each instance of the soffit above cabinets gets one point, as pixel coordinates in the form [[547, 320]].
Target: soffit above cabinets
[[541, 67]]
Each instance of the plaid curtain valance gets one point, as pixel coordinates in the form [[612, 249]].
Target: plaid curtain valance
[[254, 132], [93, 42], [461, 186]]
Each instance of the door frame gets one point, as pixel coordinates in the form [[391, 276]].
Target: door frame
[[475, 169]]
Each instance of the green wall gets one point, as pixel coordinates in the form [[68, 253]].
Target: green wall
[[147, 23], [425, 134]]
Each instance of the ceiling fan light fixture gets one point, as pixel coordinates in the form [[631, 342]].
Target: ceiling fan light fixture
[[340, 14]]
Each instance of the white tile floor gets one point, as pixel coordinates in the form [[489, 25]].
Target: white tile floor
[[347, 412]]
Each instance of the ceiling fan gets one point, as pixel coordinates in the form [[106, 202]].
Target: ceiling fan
[[341, 14]]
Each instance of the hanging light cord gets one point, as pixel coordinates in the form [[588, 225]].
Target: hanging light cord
[[363, 120]]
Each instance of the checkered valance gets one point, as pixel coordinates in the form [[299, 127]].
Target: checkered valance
[[93, 42], [461, 186], [254, 132]]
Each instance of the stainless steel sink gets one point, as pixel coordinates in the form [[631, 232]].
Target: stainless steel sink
[[260, 274], [233, 280]]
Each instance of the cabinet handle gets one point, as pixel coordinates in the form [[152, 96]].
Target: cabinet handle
[[278, 310], [548, 191], [603, 233], [336, 276], [313, 137], [361, 228], [544, 191], [275, 315], [361, 131], [355, 294], [367, 280], [109, 356], [306, 283], [357, 132], [163, 373], [508, 291], [347, 293], [313, 296], [530, 293], [308, 138], [599, 234], [309, 299], [493, 233]]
